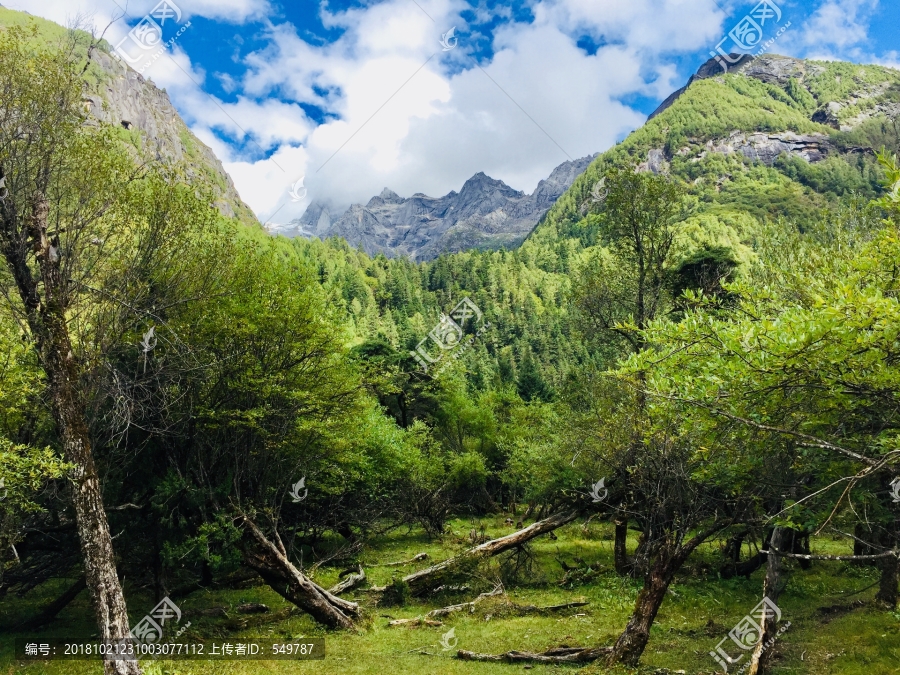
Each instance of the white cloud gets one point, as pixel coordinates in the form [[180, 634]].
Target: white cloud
[[449, 120], [102, 12], [402, 113], [839, 24]]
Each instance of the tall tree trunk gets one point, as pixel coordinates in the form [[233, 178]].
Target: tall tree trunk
[[761, 659], [634, 638], [890, 568], [47, 321], [890, 537], [620, 552], [887, 586], [669, 559]]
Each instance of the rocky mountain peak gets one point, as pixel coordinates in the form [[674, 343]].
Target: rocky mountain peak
[[485, 213]]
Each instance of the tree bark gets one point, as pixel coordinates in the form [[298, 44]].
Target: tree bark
[[272, 564], [669, 559], [890, 538], [47, 320], [887, 585], [424, 580], [761, 659], [634, 638], [620, 552]]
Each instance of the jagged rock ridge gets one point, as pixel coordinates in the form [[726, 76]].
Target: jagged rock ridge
[[485, 213]]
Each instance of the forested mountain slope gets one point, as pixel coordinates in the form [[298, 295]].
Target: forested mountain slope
[[780, 139], [148, 122]]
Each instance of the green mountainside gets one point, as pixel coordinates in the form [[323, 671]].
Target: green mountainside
[[780, 140], [147, 121]]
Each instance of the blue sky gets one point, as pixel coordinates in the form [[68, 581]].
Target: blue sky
[[356, 96]]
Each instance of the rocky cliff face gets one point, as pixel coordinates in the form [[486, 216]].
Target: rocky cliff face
[[124, 98], [485, 213]]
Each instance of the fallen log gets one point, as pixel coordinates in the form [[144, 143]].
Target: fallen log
[[412, 623], [350, 582], [252, 608], [444, 611], [556, 655], [272, 564], [423, 580], [210, 611], [533, 609], [416, 558]]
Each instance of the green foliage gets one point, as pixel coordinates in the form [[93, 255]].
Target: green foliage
[[801, 374]]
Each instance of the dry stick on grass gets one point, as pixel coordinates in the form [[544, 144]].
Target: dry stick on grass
[[470, 606], [416, 558], [413, 623], [444, 611], [556, 655], [423, 580], [804, 556]]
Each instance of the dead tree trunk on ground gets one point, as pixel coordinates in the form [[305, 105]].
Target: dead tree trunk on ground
[[555, 655], [272, 564], [351, 579], [424, 580]]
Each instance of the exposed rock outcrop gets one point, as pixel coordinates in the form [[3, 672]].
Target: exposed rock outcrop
[[766, 148]]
